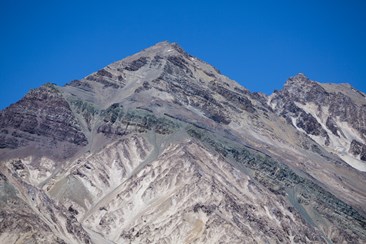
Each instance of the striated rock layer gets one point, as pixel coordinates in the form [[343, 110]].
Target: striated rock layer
[[161, 148]]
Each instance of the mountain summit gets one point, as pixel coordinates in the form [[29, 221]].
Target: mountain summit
[[160, 147]]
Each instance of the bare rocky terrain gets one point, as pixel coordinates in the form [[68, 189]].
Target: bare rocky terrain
[[160, 147]]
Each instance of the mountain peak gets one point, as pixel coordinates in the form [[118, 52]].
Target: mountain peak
[[165, 44], [297, 79], [161, 46], [165, 48], [163, 67], [299, 82], [300, 76]]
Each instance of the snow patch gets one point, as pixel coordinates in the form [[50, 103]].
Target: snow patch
[[270, 103], [354, 162], [338, 145]]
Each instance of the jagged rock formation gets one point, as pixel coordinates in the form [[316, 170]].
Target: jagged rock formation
[[162, 148]]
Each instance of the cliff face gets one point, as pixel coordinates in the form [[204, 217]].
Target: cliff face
[[162, 148]]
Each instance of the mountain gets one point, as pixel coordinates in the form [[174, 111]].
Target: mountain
[[160, 147], [332, 115]]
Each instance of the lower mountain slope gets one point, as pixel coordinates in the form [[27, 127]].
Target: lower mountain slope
[[188, 186]]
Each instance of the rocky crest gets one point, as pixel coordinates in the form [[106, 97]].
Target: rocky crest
[[160, 147]]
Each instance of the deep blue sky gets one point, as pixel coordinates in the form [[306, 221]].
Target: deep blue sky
[[257, 43]]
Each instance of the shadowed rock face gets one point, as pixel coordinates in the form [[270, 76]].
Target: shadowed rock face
[[43, 116], [358, 149], [160, 147]]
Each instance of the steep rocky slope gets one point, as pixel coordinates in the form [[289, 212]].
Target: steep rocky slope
[[162, 148]]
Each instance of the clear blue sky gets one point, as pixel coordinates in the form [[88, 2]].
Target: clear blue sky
[[257, 43]]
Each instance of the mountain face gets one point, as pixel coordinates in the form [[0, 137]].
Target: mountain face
[[161, 148]]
